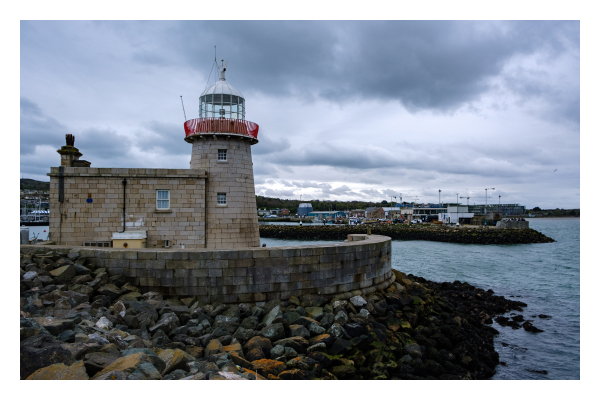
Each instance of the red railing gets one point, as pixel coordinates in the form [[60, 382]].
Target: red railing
[[220, 125]]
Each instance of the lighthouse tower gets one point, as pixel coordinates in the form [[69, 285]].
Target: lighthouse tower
[[221, 146]]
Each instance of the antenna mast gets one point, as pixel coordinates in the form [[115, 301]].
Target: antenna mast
[[185, 118]]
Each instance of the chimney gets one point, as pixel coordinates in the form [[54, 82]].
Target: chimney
[[69, 154]]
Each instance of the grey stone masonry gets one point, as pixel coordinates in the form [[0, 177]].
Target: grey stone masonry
[[233, 224], [359, 265], [92, 209]]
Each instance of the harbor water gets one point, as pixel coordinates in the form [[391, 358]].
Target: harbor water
[[544, 276]]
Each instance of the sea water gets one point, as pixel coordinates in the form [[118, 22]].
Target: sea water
[[543, 275]]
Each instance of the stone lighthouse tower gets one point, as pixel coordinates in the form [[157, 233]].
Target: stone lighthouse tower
[[221, 146]]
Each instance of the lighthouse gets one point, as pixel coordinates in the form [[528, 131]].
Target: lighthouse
[[221, 141]]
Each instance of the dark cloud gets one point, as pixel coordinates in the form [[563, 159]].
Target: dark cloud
[[38, 129], [437, 65]]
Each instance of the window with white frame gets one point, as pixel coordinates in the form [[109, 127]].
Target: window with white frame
[[222, 155], [221, 199], [163, 199]]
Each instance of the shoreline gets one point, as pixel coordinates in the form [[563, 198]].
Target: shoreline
[[104, 328]]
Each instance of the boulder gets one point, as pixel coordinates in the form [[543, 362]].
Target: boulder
[[273, 332], [313, 300], [272, 315], [75, 371], [258, 341], [255, 353], [32, 359], [213, 347], [158, 362], [167, 323], [277, 351], [315, 313], [358, 301], [266, 367], [175, 359], [64, 273], [413, 349], [292, 374], [297, 343], [55, 325], [227, 323], [110, 290], [104, 323], [340, 318], [299, 330], [96, 362], [111, 376], [126, 365]]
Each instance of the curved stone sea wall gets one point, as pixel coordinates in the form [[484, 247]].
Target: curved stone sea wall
[[360, 265], [435, 233]]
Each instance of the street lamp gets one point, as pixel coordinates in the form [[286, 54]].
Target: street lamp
[[457, 207], [439, 196], [486, 189]]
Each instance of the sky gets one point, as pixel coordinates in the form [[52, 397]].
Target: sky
[[348, 110]]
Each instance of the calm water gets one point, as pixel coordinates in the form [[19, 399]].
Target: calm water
[[545, 276]]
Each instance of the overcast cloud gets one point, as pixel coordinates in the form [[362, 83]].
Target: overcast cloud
[[347, 110]]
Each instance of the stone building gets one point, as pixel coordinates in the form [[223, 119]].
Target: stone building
[[210, 205]]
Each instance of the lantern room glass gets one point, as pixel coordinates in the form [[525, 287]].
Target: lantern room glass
[[220, 105]]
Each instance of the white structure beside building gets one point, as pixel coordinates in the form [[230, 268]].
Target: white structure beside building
[[454, 214]]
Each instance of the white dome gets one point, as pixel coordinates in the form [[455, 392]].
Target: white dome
[[222, 87]]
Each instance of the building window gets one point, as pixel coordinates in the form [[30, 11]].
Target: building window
[[163, 199], [222, 156], [221, 199]]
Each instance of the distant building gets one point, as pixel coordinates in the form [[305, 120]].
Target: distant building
[[327, 214], [358, 213], [284, 212], [263, 211], [304, 209], [456, 214], [505, 209], [375, 212]]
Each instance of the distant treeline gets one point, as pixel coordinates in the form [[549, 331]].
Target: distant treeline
[[32, 184], [318, 205]]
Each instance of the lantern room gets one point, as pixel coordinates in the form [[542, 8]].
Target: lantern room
[[222, 100]]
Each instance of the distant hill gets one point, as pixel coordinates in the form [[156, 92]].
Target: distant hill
[[32, 184]]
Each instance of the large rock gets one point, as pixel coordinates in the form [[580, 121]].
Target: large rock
[[33, 359], [358, 301], [227, 323], [145, 372], [272, 315], [299, 330], [266, 367], [213, 347], [273, 332], [297, 343], [76, 371], [158, 362], [341, 318], [55, 325], [255, 353], [258, 341], [315, 313], [64, 273], [167, 323], [104, 323], [126, 364], [96, 362], [175, 359], [110, 290]]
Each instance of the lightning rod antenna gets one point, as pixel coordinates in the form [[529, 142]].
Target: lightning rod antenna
[[181, 97]]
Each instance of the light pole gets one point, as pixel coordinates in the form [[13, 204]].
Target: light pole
[[457, 208], [486, 189], [439, 196], [499, 203], [467, 199]]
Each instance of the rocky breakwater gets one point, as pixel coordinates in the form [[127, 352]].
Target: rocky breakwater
[[77, 322], [434, 233]]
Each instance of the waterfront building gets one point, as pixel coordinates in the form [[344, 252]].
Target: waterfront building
[[375, 212], [327, 214], [505, 209], [304, 209], [210, 205], [455, 214]]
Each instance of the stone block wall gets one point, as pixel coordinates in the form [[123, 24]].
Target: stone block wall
[[512, 225], [249, 275], [76, 221]]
